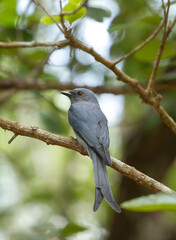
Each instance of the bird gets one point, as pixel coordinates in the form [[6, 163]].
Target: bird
[[91, 129]]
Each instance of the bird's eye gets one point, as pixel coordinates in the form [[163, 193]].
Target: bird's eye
[[80, 93]]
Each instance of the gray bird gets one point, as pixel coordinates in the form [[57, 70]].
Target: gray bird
[[90, 127]]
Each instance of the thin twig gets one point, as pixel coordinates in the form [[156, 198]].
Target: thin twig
[[62, 17], [11, 140], [54, 20], [60, 3], [149, 39], [49, 138], [170, 27], [161, 48]]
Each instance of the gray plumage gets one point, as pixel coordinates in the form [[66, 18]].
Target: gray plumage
[[90, 127]]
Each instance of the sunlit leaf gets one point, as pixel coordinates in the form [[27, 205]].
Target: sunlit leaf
[[76, 1], [48, 20], [71, 6], [153, 202]]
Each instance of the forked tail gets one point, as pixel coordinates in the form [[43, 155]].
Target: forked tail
[[102, 185]]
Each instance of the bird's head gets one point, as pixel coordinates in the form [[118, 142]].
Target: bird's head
[[80, 95]]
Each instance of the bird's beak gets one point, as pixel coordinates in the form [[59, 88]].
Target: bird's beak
[[68, 94]]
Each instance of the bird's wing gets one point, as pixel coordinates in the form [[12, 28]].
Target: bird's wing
[[90, 124]]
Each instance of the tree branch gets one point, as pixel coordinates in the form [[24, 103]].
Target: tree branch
[[59, 44], [161, 47], [117, 90], [50, 138]]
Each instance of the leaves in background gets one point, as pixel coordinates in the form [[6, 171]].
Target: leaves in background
[[153, 202], [53, 122], [46, 231], [8, 13], [154, 19], [149, 52], [97, 13]]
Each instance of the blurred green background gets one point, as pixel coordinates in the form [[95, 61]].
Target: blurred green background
[[47, 192]]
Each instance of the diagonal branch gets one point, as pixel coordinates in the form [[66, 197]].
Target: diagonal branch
[[161, 47], [50, 138]]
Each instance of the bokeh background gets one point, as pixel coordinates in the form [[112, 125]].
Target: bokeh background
[[47, 192]]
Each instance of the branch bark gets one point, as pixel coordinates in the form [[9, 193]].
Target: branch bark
[[71, 143], [17, 84], [59, 44]]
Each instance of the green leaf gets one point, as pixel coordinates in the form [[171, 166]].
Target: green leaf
[[71, 229], [154, 19], [48, 20], [98, 13], [76, 1], [153, 202], [120, 26], [8, 7], [149, 52], [71, 6]]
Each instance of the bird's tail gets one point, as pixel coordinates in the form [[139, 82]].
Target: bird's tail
[[102, 185]]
